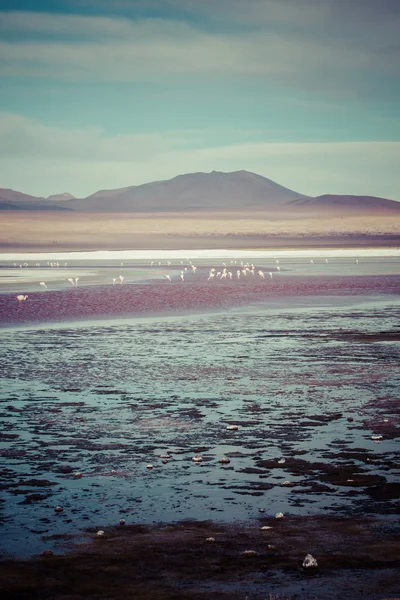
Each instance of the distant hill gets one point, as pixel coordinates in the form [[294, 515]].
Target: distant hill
[[12, 200], [197, 192], [218, 191], [338, 202], [60, 197]]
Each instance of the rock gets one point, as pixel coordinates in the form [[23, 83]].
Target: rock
[[58, 509], [197, 459], [279, 515], [224, 460], [310, 562], [210, 540], [249, 553], [122, 522], [46, 553], [232, 428], [100, 533], [149, 466]]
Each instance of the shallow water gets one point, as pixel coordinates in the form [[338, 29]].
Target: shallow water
[[307, 370]]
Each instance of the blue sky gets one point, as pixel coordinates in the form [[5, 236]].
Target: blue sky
[[98, 94]]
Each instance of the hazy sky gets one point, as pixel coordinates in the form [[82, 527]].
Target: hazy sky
[[109, 93]]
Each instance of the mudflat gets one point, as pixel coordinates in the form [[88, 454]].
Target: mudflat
[[43, 231], [194, 560]]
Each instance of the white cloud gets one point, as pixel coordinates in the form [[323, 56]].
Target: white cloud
[[42, 160]]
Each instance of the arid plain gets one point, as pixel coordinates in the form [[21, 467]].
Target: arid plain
[[44, 231]]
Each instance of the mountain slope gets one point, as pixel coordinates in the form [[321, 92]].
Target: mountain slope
[[337, 202], [239, 190]]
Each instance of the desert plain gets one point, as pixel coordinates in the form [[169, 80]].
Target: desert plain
[[59, 231]]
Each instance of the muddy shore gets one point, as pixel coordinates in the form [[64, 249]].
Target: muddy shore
[[357, 559]]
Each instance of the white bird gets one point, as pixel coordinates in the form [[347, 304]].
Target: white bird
[[167, 277], [114, 280], [42, 283], [270, 274], [182, 276], [261, 274], [194, 268], [71, 281], [21, 297], [211, 276], [121, 279], [76, 280], [311, 261]]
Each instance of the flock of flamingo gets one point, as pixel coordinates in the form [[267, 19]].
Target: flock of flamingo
[[236, 270]]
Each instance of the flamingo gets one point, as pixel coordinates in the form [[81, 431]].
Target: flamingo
[[211, 275], [42, 283], [270, 274], [182, 276], [76, 280], [71, 281], [261, 274], [121, 279], [21, 297], [114, 280], [167, 277]]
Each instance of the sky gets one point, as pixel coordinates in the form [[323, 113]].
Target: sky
[[101, 94]]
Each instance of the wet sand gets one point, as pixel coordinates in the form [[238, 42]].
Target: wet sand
[[357, 559]]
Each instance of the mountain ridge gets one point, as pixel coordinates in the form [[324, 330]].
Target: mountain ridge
[[196, 192]]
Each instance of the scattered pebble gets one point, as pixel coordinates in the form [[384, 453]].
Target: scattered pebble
[[149, 466], [309, 562], [232, 428], [58, 509], [376, 438], [249, 553], [282, 461], [224, 460], [122, 521], [78, 475], [197, 459]]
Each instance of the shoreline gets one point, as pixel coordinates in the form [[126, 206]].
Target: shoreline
[[196, 243], [202, 559]]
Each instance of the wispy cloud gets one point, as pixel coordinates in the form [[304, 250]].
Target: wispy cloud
[[99, 48], [84, 160]]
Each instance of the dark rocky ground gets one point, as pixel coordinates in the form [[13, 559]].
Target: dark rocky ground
[[357, 559]]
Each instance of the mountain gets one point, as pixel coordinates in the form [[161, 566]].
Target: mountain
[[217, 191], [336, 202], [60, 197], [12, 200]]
